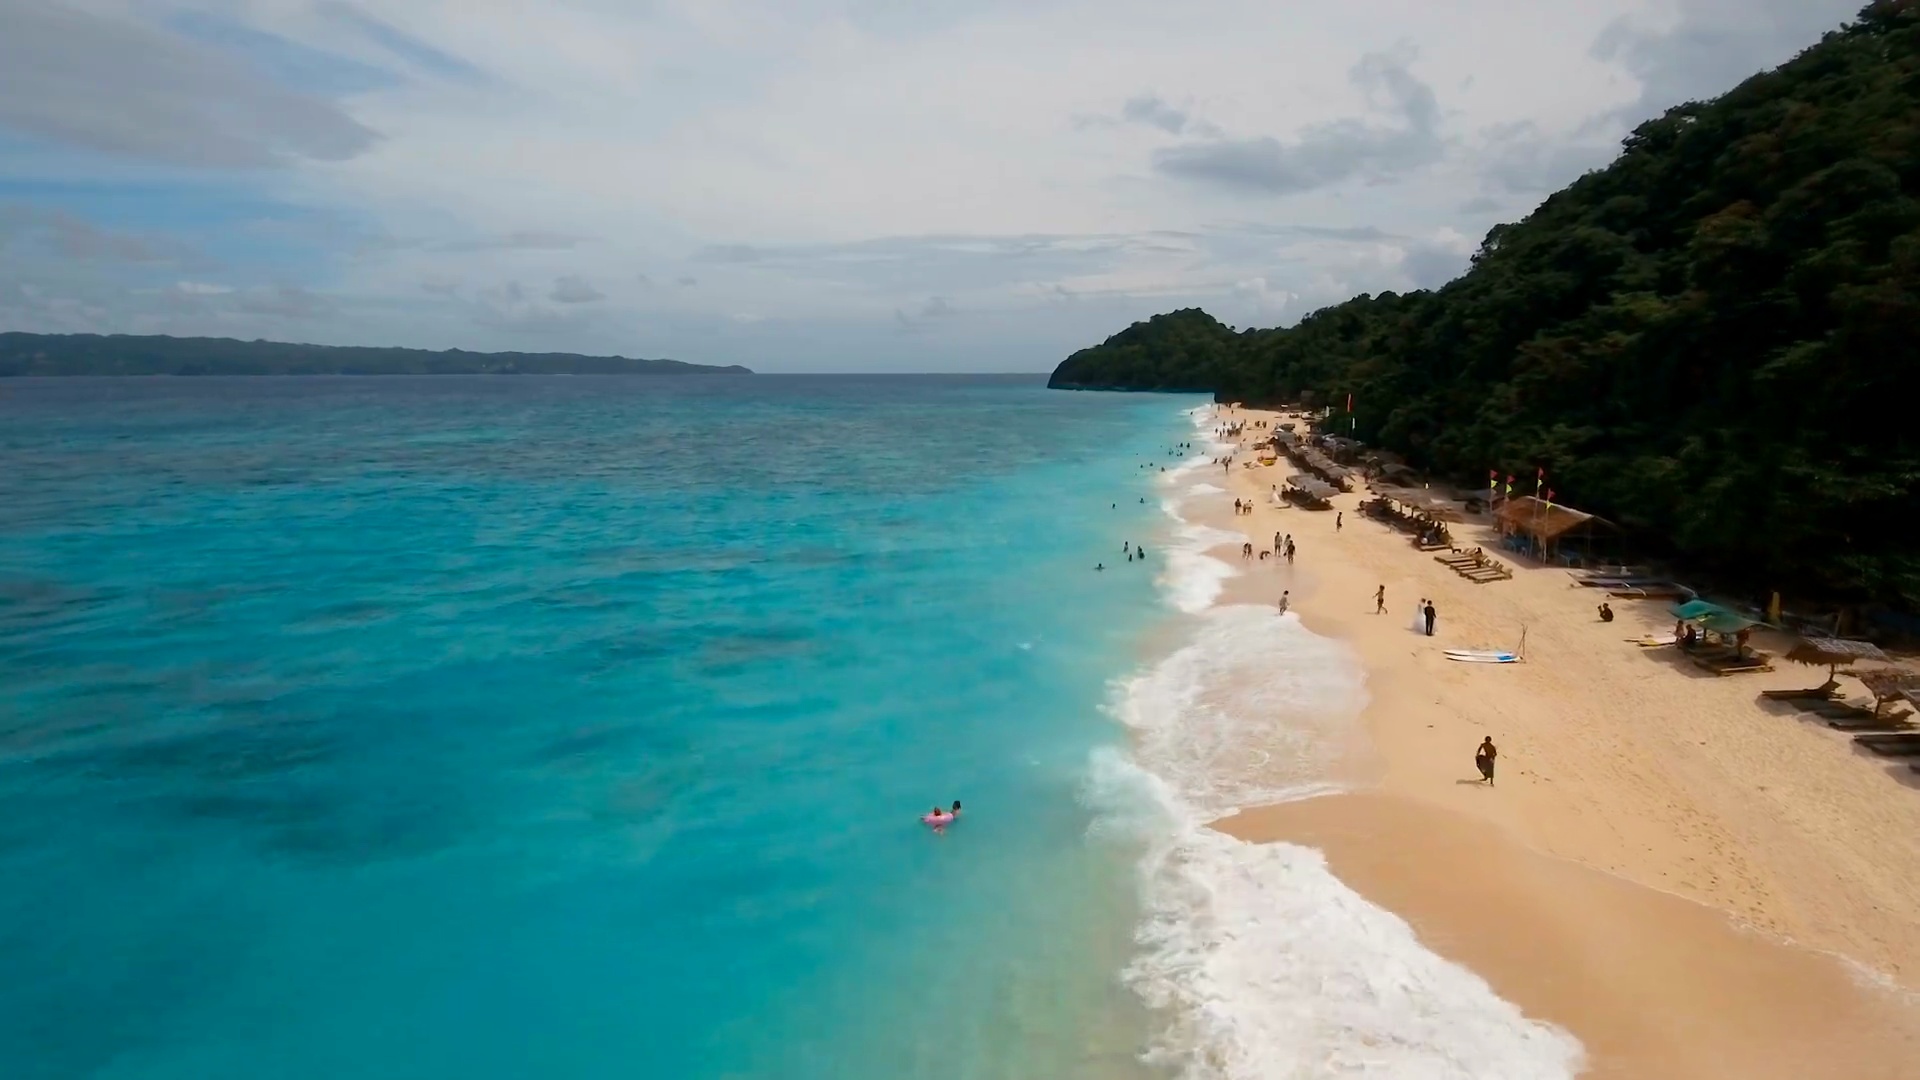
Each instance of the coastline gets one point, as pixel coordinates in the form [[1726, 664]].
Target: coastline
[[1689, 883]]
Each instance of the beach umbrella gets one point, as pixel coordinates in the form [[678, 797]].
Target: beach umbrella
[[1832, 652], [1891, 685]]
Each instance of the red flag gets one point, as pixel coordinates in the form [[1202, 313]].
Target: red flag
[[1549, 494]]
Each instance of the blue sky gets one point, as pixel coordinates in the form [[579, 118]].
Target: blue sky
[[814, 185]]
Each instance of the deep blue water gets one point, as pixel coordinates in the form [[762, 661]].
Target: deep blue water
[[561, 727]]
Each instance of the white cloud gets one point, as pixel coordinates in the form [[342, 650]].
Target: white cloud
[[838, 165], [200, 288]]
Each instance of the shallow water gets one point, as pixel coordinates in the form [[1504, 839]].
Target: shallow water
[[565, 727]]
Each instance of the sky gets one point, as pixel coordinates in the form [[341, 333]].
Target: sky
[[811, 185]]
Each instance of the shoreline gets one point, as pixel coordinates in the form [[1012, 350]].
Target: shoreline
[[1672, 812]]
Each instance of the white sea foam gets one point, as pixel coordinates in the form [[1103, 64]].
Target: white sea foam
[[1190, 579], [1204, 488], [1260, 963]]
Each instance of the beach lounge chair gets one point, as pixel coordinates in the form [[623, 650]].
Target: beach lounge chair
[[1816, 693], [1652, 641], [1657, 590], [1891, 745], [1865, 721], [1723, 664]]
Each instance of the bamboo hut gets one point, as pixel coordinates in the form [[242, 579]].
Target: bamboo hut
[[1545, 525]]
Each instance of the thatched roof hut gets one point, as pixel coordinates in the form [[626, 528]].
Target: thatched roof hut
[[1313, 492], [1547, 523], [1426, 502]]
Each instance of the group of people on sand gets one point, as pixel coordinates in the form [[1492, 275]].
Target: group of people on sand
[[1425, 615]]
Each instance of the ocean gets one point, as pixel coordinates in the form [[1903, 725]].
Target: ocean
[[580, 727]]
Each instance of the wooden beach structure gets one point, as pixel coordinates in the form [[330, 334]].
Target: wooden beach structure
[[1832, 654], [1542, 528], [1310, 492]]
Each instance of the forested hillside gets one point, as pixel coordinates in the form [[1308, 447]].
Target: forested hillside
[[1712, 340], [127, 354]]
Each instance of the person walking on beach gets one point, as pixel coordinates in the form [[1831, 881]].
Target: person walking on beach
[[1289, 551], [1431, 615], [1483, 758], [1380, 600], [1338, 515], [1278, 547]]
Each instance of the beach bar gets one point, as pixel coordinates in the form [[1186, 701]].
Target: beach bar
[[1539, 528]]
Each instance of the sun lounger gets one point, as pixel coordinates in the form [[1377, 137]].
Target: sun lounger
[[1816, 693], [1619, 582], [1665, 590], [1891, 745], [1865, 721], [1651, 642], [1723, 665]]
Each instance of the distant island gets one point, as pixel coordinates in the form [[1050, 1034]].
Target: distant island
[[126, 354], [1711, 341]]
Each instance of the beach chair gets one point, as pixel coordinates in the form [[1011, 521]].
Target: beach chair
[[1733, 665], [1816, 693], [1891, 745], [1864, 720], [1662, 590]]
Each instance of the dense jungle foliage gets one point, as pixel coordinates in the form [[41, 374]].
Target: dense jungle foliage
[[1712, 341]]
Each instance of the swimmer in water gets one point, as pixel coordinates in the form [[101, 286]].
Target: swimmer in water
[[956, 808], [1099, 566]]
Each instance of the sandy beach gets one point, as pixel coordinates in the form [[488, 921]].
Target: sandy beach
[[1692, 881]]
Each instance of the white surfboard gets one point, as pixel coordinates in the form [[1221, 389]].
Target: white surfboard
[[1477, 656]]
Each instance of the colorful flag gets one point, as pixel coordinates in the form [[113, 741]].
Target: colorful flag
[[1509, 485]]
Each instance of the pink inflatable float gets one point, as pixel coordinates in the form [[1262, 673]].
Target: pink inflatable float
[[936, 820]]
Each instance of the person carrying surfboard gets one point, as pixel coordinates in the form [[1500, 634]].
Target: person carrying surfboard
[[1483, 758]]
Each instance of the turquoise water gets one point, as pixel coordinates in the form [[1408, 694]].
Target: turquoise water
[[564, 727]]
